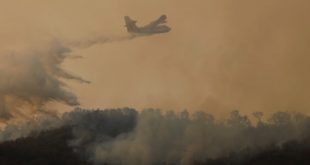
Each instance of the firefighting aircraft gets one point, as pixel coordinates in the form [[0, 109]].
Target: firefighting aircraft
[[154, 27]]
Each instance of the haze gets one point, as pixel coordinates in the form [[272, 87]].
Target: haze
[[219, 56]]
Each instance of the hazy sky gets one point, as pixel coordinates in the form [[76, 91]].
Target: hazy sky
[[220, 55]]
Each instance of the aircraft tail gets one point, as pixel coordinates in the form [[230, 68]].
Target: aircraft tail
[[131, 25], [162, 19]]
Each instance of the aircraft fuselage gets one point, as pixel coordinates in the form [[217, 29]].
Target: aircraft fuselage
[[152, 28]]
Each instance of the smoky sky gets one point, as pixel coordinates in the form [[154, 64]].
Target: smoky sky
[[221, 55]]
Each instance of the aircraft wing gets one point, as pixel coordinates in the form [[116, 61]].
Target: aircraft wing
[[161, 20]]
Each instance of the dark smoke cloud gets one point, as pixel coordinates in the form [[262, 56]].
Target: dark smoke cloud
[[124, 136]]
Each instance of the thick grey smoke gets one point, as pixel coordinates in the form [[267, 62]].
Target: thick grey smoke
[[122, 136], [180, 139], [23, 129], [33, 78]]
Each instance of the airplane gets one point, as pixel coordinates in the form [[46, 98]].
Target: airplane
[[152, 28]]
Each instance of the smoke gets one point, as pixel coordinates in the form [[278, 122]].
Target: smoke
[[226, 54], [177, 138], [31, 78], [124, 136], [13, 131], [101, 39], [221, 55]]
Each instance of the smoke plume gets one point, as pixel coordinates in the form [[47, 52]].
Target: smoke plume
[[34, 77], [125, 136], [178, 138]]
